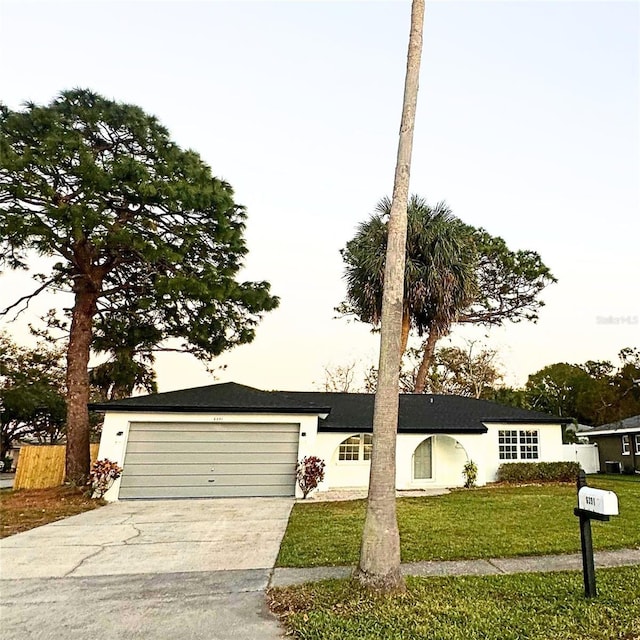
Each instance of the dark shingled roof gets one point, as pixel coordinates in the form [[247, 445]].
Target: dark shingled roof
[[628, 424], [346, 411]]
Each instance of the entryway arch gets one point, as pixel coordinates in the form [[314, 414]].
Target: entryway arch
[[439, 459]]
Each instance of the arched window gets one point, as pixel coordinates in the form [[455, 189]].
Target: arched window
[[356, 448], [422, 461]]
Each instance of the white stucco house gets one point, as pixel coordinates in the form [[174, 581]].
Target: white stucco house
[[232, 440]]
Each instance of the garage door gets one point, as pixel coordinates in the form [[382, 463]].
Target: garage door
[[194, 460]]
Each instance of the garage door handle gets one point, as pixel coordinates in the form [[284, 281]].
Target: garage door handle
[[210, 480]]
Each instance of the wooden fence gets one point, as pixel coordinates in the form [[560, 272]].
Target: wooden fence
[[40, 467]]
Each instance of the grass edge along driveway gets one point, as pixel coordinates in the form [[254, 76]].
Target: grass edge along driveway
[[489, 522], [24, 509], [503, 607]]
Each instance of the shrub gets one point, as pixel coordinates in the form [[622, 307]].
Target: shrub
[[103, 474], [309, 473], [470, 473], [538, 472]]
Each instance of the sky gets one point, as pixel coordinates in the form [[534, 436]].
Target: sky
[[527, 125]]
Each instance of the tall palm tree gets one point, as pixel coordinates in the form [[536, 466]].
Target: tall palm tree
[[379, 565], [439, 275]]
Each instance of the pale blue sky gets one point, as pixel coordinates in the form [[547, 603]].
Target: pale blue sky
[[527, 125]]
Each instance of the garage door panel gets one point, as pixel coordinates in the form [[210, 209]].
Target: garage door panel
[[269, 480], [206, 458], [203, 492], [209, 460], [174, 436], [262, 447], [254, 468]]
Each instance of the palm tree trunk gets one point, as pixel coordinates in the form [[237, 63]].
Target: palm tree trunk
[[427, 359], [379, 566]]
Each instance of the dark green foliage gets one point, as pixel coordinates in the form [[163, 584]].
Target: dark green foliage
[[538, 472], [439, 278], [101, 186], [129, 342], [129, 339], [32, 388], [509, 396], [508, 282], [454, 273], [592, 393], [143, 235]]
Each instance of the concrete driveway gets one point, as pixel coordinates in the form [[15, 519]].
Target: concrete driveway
[[146, 569]]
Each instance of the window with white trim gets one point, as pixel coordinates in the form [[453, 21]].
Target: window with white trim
[[508, 445], [529, 445], [637, 439], [356, 448], [514, 444], [626, 445]]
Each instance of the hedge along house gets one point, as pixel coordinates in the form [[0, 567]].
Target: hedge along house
[[229, 440], [618, 445]]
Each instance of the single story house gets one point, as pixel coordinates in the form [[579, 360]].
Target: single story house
[[618, 445], [233, 440]]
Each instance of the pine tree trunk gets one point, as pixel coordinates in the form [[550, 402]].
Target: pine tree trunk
[[379, 566], [427, 359], [77, 457]]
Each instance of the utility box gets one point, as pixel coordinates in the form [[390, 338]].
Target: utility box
[[612, 466], [598, 501]]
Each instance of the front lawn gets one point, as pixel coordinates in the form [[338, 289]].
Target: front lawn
[[498, 521], [509, 607], [25, 509]]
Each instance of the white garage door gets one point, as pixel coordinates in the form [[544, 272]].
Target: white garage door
[[197, 460]]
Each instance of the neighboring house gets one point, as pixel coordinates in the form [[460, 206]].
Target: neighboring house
[[618, 445], [233, 440]]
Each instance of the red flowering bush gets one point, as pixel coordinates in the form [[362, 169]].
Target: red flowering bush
[[309, 473], [102, 475]]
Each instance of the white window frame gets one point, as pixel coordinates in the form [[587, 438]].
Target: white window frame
[[637, 441], [508, 444], [362, 453], [515, 444], [529, 445], [626, 445]]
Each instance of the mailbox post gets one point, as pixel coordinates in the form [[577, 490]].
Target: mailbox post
[[593, 504]]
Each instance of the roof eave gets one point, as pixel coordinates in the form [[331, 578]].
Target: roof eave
[[611, 432], [107, 408], [543, 420], [369, 429]]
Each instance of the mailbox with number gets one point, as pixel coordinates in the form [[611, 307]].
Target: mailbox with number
[[598, 501], [593, 504]]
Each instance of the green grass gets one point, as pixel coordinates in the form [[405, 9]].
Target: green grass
[[481, 523], [511, 607]]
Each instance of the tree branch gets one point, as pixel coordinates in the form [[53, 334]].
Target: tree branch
[[26, 298]]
